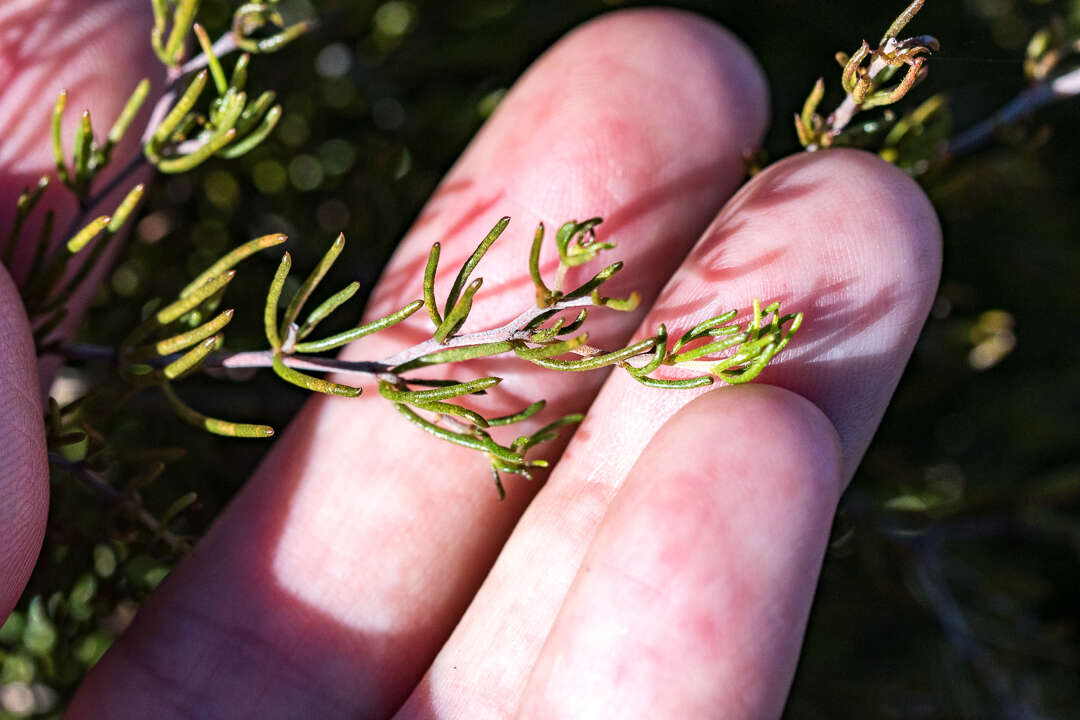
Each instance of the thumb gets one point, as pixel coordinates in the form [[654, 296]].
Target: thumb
[[23, 467]]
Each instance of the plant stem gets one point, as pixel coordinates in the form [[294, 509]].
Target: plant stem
[[225, 44], [513, 330], [845, 111], [99, 486], [1026, 103]]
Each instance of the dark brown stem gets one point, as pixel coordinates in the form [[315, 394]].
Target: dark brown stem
[[100, 487], [1023, 105]]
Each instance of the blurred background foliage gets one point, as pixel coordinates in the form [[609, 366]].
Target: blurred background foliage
[[952, 585]]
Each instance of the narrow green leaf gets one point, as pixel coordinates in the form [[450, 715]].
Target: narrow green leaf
[[274, 42], [902, 20], [811, 104], [470, 264], [292, 311], [191, 360], [183, 106], [309, 382], [705, 328], [25, 205], [577, 323], [84, 138], [627, 304], [708, 349], [548, 333], [499, 489], [58, 138], [254, 112], [481, 441], [251, 141], [659, 352], [126, 207], [172, 312], [240, 71], [179, 505], [417, 397], [92, 261], [184, 163], [599, 279], [232, 258], [157, 34], [432, 382], [336, 341], [92, 229], [540, 319], [735, 376], [547, 432], [694, 382], [543, 293], [552, 349], [444, 408], [328, 306], [518, 416], [184, 340], [213, 425], [457, 354], [212, 61], [597, 361], [125, 118], [571, 253], [272, 298], [182, 20], [457, 316], [429, 285]]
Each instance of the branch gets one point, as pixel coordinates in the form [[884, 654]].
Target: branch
[[225, 45], [1023, 105], [513, 330], [99, 486]]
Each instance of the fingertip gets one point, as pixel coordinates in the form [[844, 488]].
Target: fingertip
[[792, 430], [702, 56], [846, 239], [694, 596], [23, 465], [872, 193]]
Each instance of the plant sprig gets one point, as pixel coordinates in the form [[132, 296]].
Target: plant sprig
[[174, 342], [864, 77]]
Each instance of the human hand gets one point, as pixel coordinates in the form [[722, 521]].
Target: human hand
[[666, 566]]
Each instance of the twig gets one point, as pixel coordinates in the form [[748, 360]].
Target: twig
[[843, 114], [513, 330], [1026, 103], [92, 481], [225, 44], [929, 573]]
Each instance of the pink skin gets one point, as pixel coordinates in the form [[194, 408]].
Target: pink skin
[[367, 565]]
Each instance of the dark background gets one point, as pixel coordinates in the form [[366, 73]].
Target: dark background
[[951, 588]]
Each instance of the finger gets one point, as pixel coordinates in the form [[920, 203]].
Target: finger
[[362, 539], [93, 52], [23, 470], [693, 598], [841, 236]]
